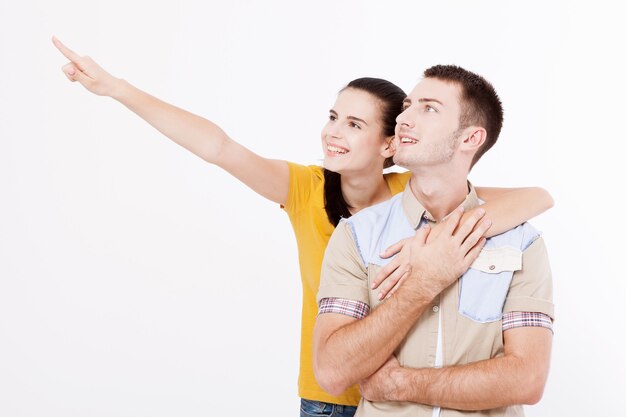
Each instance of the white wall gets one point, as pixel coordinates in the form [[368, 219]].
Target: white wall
[[136, 280]]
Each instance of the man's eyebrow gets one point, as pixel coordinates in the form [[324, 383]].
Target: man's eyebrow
[[427, 100]]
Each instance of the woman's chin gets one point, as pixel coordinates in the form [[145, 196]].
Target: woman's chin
[[331, 164]]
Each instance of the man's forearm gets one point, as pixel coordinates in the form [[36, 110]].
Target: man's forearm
[[488, 384], [358, 349]]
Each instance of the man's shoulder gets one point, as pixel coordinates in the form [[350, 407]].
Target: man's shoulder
[[376, 213], [378, 227]]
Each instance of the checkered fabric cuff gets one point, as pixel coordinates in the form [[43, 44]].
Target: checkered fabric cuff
[[525, 319], [352, 308]]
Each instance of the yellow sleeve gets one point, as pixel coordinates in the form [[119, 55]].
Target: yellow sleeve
[[302, 180]]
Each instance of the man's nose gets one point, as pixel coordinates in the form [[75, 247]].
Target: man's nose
[[403, 119]]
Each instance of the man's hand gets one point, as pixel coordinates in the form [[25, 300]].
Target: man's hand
[[89, 74], [382, 385], [437, 257]]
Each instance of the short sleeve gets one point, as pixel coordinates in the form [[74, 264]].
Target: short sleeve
[[302, 180], [531, 287], [343, 273]]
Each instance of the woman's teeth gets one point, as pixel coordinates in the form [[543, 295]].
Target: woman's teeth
[[335, 149]]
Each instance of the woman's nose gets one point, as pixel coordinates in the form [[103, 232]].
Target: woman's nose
[[334, 132]]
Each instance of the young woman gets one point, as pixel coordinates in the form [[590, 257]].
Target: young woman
[[357, 143]]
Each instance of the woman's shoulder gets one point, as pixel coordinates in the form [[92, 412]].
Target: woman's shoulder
[[304, 171], [306, 187], [397, 180]]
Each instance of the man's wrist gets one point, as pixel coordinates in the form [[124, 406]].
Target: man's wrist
[[411, 384], [420, 287], [399, 378]]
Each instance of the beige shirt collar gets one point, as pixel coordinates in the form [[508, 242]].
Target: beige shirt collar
[[415, 211]]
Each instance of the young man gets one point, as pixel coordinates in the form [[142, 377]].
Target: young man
[[478, 345]]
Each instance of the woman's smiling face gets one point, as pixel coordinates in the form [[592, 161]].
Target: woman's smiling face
[[353, 139]]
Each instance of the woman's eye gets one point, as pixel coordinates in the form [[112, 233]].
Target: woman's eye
[[352, 124], [332, 118]]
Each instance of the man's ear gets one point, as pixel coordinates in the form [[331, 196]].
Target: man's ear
[[474, 138], [389, 147]]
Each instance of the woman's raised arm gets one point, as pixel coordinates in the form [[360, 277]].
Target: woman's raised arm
[[268, 177]]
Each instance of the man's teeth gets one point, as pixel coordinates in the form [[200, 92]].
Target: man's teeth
[[336, 149], [408, 140]]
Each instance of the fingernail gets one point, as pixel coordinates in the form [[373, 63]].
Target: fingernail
[[71, 71], [488, 222], [481, 211], [461, 209], [380, 297]]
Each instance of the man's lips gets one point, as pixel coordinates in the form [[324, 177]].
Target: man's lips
[[407, 139]]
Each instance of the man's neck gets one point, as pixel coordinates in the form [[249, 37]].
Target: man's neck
[[440, 190]]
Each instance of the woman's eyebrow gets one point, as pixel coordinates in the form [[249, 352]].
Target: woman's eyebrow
[[334, 113], [357, 119]]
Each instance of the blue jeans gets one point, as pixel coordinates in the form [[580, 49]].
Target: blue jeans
[[310, 408]]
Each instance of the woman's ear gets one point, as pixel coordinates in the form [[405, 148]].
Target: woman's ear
[[389, 147]]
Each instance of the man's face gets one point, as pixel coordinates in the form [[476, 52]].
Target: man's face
[[427, 130]]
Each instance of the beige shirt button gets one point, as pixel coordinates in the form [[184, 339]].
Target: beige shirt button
[[435, 309]]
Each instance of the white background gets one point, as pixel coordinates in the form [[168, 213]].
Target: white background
[[137, 280]]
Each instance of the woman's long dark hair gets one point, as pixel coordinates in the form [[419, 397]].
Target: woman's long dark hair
[[390, 97]]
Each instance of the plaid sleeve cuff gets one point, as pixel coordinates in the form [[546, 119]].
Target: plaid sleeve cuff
[[352, 308], [515, 319]]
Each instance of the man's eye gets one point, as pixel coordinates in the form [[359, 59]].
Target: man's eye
[[352, 124], [430, 109]]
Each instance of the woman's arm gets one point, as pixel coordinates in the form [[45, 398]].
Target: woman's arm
[[268, 177], [510, 207]]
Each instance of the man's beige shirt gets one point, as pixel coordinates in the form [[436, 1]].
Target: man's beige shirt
[[464, 340]]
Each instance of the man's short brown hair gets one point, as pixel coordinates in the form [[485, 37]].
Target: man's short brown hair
[[480, 104]]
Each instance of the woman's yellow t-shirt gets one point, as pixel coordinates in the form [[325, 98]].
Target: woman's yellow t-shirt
[[305, 207]]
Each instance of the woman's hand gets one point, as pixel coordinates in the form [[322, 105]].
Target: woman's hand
[[85, 70], [451, 250]]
